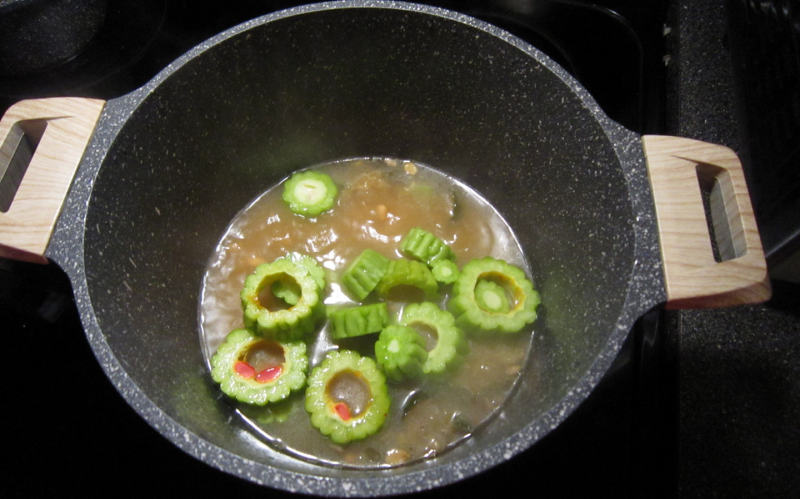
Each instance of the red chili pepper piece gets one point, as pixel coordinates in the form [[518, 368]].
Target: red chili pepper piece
[[268, 374], [342, 410], [244, 369]]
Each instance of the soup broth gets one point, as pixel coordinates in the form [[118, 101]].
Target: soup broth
[[379, 201]]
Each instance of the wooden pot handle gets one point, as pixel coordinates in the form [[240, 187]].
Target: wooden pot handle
[[41, 144], [680, 171]]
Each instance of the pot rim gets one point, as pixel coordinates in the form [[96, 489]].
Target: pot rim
[[642, 294]]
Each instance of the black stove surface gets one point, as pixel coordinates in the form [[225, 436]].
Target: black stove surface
[[78, 433], [613, 47]]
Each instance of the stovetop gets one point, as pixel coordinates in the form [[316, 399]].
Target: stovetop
[[739, 376], [626, 439], [613, 47]]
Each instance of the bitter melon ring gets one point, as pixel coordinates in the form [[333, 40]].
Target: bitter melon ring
[[360, 320], [286, 289], [309, 193], [451, 345], [491, 296], [410, 273], [425, 247], [445, 271], [365, 273], [467, 309], [400, 352], [284, 324], [240, 377], [339, 416]]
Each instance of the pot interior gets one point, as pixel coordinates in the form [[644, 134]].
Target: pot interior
[[294, 91]]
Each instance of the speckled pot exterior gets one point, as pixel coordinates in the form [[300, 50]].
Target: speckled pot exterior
[[171, 163]]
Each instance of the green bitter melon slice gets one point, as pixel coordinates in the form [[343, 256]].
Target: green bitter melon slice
[[425, 247], [284, 324], [466, 307], [288, 290], [349, 322], [342, 418], [491, 296], [410, 273], [309, 193], [239, 379], [451, 346], [310, 264], [400, 352], [365, 273], [445, 271]]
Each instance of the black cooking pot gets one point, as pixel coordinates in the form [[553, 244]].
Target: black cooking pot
[[612, 223]]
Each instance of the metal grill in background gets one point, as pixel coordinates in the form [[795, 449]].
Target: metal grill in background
[[765, 48]]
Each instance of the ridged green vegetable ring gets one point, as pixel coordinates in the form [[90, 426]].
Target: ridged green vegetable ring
[[425, 247], [445, 271], [365, 273], [350, 322], [333, 408], [486, 312], [408, 273], [400, 352], [451, 345], [284, 324], [240, 377], [309, 193]]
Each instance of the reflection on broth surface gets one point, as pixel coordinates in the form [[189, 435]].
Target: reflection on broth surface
[[379, 201]]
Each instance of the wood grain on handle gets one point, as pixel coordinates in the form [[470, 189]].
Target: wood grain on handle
[[68, 123], [694, 278]]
